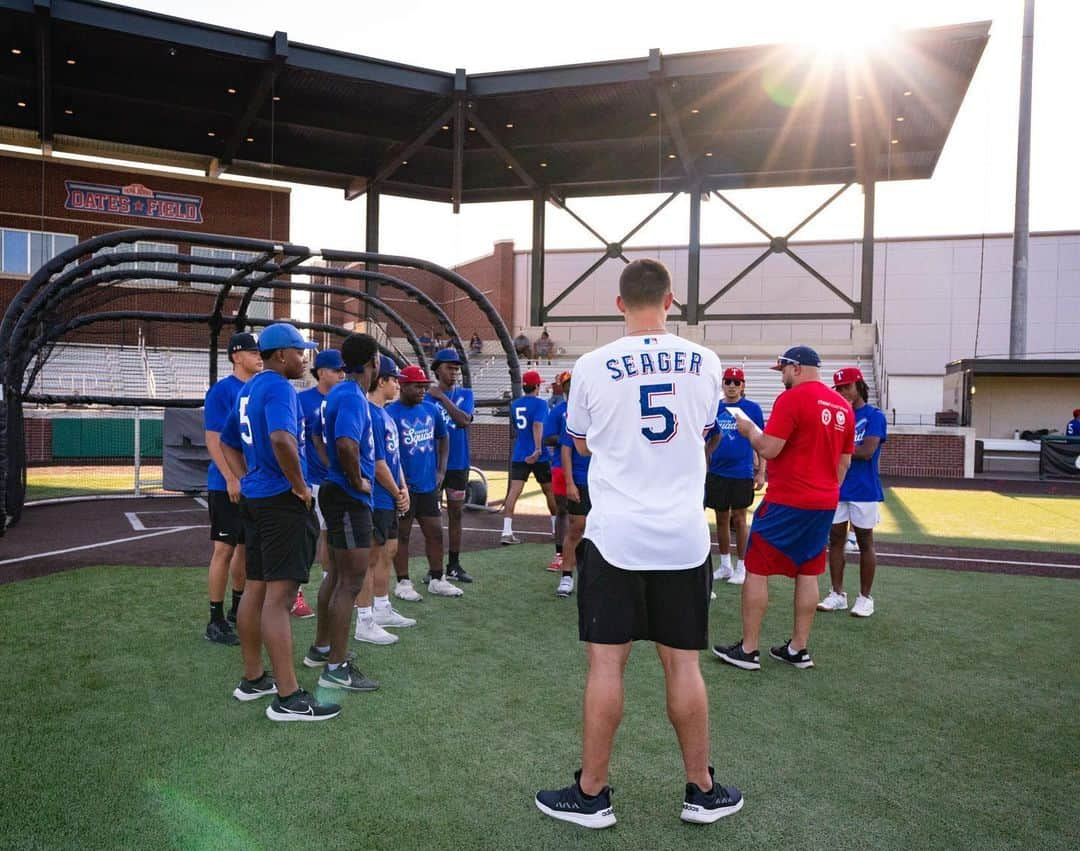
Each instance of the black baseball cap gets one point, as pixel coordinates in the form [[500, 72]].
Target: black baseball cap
[[243, 341], [798, 356]]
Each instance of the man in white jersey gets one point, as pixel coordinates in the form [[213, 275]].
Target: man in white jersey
[[640, 407]]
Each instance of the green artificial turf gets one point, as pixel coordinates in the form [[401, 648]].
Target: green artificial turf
[[948, 720]]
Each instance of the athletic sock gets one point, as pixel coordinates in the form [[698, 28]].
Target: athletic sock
[[558, 549], [725, 560], [792, 651], [382, 602], [364, 612], [741, 564], [568, 573], [236, 595], [553, 524], [333, 666], [322, 648], [217, 611], [285, 698], [453, 559], [436, 574], [508, 525]]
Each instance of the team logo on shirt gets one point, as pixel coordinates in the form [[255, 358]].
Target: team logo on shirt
[[418, 436], [841, 418], [826, 416], [860, 430]]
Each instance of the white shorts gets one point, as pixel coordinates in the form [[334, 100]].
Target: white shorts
[[863, 515], [318, 511]]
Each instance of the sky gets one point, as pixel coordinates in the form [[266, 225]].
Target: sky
[[972, 190]]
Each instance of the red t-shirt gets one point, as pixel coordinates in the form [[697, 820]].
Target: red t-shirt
[[819, 427]]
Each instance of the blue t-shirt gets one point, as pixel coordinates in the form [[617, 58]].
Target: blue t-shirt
[[459, 437], [345, 413], [555, 426], [862, 483], [220, 401], [1073, 428], [310, 402], [419, 428], [733, 457], [267, 403], [384, 430], [523, 413], [578, 462]]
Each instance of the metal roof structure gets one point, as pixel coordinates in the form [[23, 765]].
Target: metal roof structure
[[101, 79]]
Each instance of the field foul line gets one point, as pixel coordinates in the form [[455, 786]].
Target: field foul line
[[981, 560], [153, 534]]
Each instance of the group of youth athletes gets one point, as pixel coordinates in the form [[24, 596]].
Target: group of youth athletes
[[650, 425], [337, 474]]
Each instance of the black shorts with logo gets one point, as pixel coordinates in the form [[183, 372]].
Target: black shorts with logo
[[281, 533], [722, 493], [225, 523], [423, 504], [616, 606], [456, 480], [384, 525], [583, 506], [348, 520], [519, 471]]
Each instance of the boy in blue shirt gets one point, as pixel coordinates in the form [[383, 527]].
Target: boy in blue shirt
[[425, 447], [861, 496], [329, 369], [1072, 429], [527, 415], [345, 498], [735, 472], [576, 467], [456, 406], [223, 491], [279, 523], [554, 428]]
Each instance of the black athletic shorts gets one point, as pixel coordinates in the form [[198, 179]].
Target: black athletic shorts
[[722, 493], [519, 472], [348, 520], [281, 534], [384, 525], [225, 523], [456, 480], [615, 606], [583, 506], [424, 505]]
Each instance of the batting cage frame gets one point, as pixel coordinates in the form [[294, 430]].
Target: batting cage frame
[[99, 282]]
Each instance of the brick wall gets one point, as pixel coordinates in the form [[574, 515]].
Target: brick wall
[[930, 455], [490, 443]]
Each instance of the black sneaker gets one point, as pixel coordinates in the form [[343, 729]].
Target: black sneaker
[[264, 686], [457, 573], [219, 632], [799, 660], [231, 617], [573, 805], [301, 706], [706, 807], [735, 655], [315, 658], [346, 678]]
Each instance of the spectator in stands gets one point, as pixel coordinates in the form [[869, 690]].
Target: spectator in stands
[[523, 347], [476, 345], [558, 392], [544, 347], [427, 344], [1073, 428]]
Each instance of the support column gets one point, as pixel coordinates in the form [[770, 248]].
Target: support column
[[866, 289], [371, 244], [536, 288], [1021, 233], [693, 265]]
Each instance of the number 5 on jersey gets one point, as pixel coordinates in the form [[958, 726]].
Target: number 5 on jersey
[[649, 411], [245, 422]]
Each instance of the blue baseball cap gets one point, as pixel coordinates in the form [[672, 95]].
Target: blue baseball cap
[[387, 367], [329, 359], [798, 356], [282, 335], [445, 356]]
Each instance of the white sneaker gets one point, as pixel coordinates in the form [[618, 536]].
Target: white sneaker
[[723, 572], [369, 631], [834, 603], [851, 544], [712, 595], [508, 538], [864, 607], [566, 587], [404, 591], [388, 616], [738, 576], [442, 588]]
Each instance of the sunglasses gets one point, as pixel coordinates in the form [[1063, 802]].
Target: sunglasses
[[782, 361], [735, 381]]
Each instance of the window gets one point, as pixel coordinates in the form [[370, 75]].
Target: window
[[261, 306], [149, 266], [23, 252]]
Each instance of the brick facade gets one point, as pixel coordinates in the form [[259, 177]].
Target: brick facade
[[930, 455], [490, 443]]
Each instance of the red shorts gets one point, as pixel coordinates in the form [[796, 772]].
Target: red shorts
[[788, 541], [558, 481]]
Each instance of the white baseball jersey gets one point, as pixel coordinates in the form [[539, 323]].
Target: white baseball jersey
[[643, 405]]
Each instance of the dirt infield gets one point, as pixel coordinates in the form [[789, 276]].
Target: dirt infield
[[174, 532]]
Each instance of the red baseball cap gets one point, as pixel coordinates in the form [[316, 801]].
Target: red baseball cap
[[532, 378], [1076, 413], [413, 374], [847, 375], [734, 372]]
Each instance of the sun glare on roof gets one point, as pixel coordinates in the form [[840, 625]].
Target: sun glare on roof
[[850, 37]]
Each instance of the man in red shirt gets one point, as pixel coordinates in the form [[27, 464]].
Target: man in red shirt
[[808, 443]]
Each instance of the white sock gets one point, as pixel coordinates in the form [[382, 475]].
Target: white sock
[[508, 525], [382, 602], [553, 525], [725, 561], [364, 612], [792, 651], [741, 566]]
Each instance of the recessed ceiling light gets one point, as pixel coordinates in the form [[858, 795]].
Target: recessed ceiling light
[[858, 97], [69, 112], [17, 51], [276, 98], [509, 125], [543, 165], [652, 115], [510, 167], [896, 141], [251, 138], [907, 94], [71, 62], [708, 153], [851, 144], [899, 118], [472, 129], [446, 127], [695, 111], [404, 162], [231, 90], [21, 104], [671, 156], [211, 133]]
